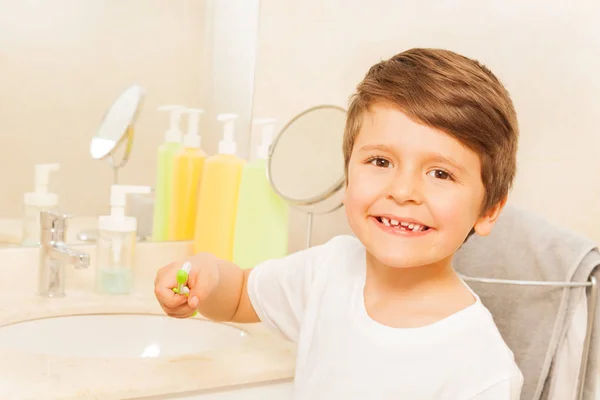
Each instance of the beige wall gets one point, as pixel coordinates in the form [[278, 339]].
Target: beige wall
[[64, 62], [546, 52]]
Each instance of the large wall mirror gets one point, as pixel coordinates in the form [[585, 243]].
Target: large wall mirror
[[82, 85]]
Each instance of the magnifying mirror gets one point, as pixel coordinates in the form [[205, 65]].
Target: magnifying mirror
[[114, 138], [306, 163]]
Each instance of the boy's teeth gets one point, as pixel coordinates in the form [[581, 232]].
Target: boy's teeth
[[395, 223]]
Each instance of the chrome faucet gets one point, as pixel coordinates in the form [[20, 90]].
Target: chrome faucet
[[55, 255]]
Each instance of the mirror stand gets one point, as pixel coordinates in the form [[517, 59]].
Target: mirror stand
[[114, 139], [309, 226], [322, 124]]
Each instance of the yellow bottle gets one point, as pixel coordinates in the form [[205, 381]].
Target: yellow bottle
[[188, 166], [217, 202]]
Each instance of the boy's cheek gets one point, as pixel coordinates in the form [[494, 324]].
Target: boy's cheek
[[366, 186], [452, 212]]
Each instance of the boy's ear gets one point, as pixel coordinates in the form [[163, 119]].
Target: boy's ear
[[345, 187], [485, 223]]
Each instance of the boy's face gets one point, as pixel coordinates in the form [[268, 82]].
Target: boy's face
[[413, 192]]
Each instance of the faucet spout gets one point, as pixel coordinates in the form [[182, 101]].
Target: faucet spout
[[66, 255], [55, 255]]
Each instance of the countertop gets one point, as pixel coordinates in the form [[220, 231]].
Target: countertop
[[262, 357]]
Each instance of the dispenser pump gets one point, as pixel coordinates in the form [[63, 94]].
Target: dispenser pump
[[41, 197], [267, 132], [192, 138], [173, 134], [117, 221], [227, 145]]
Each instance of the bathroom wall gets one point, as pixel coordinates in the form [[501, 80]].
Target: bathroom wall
[[63, 64], [545, 51]]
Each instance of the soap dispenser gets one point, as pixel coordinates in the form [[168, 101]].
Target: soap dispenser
[[36, 202], [261, 227], [164, 175], [217, 201], [115, 246], [187, 176]]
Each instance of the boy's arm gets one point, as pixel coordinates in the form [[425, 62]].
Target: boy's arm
[[228, 294], [278, 287], [275, 292]]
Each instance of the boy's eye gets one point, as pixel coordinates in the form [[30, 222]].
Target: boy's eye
[[440, 174], [380, 162]]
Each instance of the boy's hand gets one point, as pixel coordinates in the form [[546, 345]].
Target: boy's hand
[[203, 279]]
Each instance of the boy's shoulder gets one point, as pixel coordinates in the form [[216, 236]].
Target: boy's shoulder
[[345, 241], [345, 251], [340, 259], [485, 355], [343, 246]]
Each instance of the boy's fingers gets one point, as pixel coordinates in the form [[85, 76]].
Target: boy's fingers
[[182, 311], [163, 289], [193, 301], [169, 298], [166, 278]]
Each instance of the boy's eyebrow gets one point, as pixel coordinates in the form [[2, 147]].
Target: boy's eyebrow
[[436, 157], [381, 147]]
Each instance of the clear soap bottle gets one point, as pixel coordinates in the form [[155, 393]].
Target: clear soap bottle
[[115, 247]]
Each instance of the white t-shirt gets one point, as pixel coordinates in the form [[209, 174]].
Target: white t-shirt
[[315, 298]]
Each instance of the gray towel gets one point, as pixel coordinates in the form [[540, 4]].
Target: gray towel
[[531, 319]]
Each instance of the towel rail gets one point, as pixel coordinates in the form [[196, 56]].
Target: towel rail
[[528, 283], [592, 299]]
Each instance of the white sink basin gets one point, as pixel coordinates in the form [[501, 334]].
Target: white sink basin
[[118, 335]]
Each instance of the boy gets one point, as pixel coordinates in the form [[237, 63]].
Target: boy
[[430, 152]]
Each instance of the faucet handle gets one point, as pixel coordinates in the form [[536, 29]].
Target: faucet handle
[[53, 220]]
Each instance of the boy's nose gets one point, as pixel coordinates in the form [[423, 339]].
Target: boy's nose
[[405, 188]]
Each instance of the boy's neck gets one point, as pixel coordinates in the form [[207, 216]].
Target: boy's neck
[[408, 279], [413, 297]]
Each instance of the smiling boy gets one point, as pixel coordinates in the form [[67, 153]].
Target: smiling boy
[[430, 152]]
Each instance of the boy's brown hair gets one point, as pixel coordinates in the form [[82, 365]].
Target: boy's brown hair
[[451, 93]]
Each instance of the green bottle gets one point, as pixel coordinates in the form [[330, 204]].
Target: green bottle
[[261, 226], [163, 191]]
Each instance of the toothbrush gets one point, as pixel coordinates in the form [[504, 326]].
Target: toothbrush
[[182, 277]]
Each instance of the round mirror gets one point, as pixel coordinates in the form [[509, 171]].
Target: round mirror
[[306, 162], [114, 138]]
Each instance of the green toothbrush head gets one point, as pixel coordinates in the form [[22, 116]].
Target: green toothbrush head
[[183, 273], [182, 277]]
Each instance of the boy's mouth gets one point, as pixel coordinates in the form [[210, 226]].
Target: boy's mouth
[[403, 226]]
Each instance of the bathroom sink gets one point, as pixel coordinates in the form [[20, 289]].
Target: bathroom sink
[[118, 335]]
